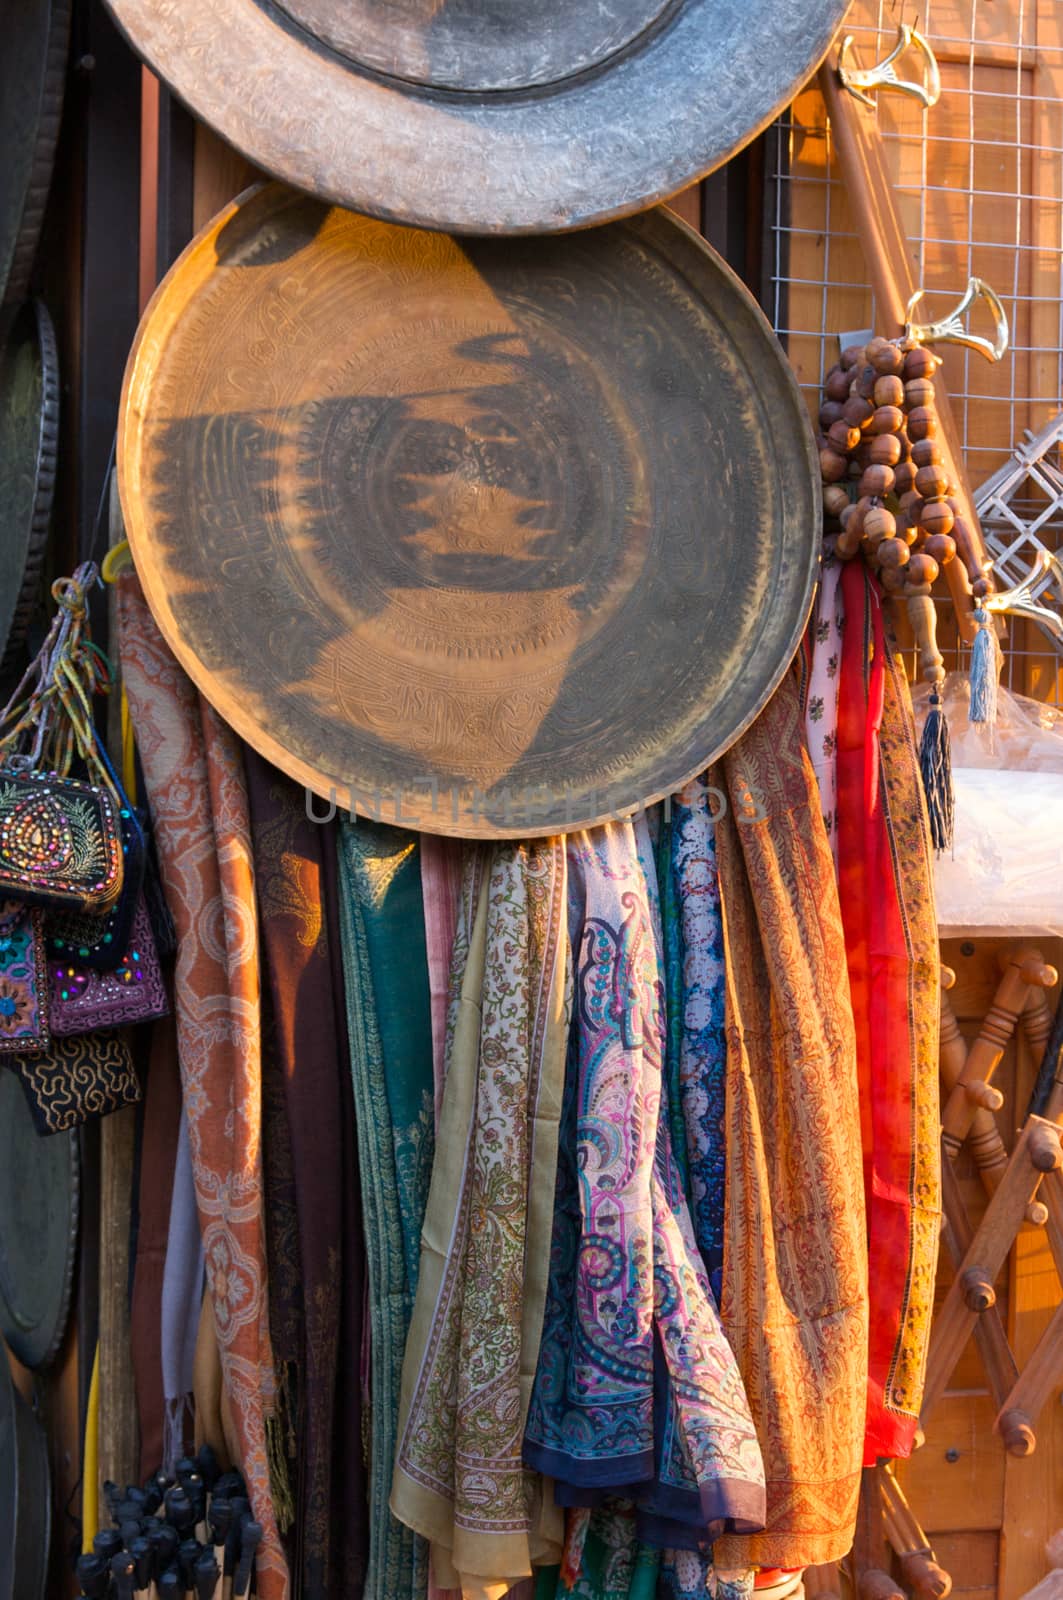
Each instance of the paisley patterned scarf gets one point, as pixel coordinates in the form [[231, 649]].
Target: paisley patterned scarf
[[795, 1254], [193, 772], [824, 652], [474, 1339], [636, 1389], [390, 1034], [604, 1558], [702, 1043], [885, 881]]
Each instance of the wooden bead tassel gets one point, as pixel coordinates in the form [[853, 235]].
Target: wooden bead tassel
[[880, 433]]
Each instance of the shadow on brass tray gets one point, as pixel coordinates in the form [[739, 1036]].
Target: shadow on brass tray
[[500, 536], [485, 116]]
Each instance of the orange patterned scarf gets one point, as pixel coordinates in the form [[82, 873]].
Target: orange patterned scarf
[[193, 772], [795, 1252]]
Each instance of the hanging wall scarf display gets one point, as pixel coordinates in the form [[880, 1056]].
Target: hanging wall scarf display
[[390, 1035], [885, 884], [795, 1255], [637, 1391], [194, 780], [459, 1477]]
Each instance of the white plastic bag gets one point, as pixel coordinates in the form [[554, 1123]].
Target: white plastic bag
[[1004, 875]]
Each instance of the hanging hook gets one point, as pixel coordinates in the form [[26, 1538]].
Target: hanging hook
[[1019, 602], [950, 329], [885, 76]]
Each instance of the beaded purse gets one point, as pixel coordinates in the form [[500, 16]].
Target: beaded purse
[[103, 941], [23, 985], [60, 842], [83, 999]]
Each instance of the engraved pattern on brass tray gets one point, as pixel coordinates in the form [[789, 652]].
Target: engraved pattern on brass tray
[[486, 537], [485, 116]]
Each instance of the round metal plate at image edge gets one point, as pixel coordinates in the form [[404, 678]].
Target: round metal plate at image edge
[[488, 537], [32, 74], [25, 1495], [29, 438], [38, 1228], [485, 116]]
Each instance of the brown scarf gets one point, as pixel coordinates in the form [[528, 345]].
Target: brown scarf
[[289, 854], [795, 1251]]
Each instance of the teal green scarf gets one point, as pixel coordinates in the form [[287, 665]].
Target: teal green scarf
[[386, 976]]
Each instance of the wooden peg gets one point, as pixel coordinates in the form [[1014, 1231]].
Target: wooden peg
[[978, 1291], [1046, 1153], [983, 1094]]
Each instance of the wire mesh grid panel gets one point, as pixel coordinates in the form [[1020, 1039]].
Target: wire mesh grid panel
[[979, 186]]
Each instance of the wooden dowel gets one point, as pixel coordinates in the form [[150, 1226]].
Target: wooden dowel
[[993, 1347], [988, 1249], [1027, 966], [1037, 1021], [1042, 1374], [983, 1139]]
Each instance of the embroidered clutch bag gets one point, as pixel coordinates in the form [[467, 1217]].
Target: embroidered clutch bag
[[59, 842], [23, 984], [78, 1079], [103, 941], [82, 999]]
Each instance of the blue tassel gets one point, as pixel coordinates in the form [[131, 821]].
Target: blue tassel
[[935, 765], [985, 670]]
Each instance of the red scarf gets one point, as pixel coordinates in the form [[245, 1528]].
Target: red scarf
[[886, 890]]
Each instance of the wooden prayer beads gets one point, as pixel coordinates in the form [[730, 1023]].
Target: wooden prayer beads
[[880, 436]]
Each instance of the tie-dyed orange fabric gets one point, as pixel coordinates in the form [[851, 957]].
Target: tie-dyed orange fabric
[[193, 772], [795, 1249]]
